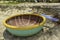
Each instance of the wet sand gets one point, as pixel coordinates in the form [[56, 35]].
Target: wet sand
[[52, 34]]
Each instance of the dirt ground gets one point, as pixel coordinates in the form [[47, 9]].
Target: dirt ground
[[52, 34]]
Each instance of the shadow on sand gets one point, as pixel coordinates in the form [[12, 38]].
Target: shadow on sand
[[55, 34]]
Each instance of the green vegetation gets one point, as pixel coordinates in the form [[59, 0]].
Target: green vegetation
[[21, 1]]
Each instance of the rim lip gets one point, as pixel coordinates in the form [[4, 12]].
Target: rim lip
[[24, 28]]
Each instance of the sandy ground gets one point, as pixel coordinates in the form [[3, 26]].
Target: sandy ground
[[52, 34]]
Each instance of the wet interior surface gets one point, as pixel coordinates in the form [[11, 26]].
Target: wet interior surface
[[24, 20]]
